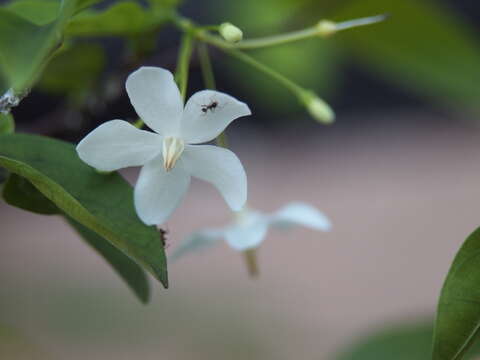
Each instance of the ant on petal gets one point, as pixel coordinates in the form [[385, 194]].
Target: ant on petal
[[212, 106]]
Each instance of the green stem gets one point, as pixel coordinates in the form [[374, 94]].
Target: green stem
[[185, 53], [279, 39], [206, 66], [289, 84], [202, 35], [209, 80]]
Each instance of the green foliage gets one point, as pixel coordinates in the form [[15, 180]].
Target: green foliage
[[122, 18], [422, 47], [20, 193], [102, 203], [458, 313], [74, 71], [26, 46], [38, 12], [401, 342], [133, 274], [7, 124]]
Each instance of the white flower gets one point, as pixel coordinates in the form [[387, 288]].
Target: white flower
[[250, 228], [167, 157]]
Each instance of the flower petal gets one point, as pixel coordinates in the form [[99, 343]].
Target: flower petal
[[158, 192], [298, 213], [156, 99], [222, 168], [117, 144], [249, 233], [207, 113], [199, 240]]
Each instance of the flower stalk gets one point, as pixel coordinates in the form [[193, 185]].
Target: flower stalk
[[184, 56], [250, 257]]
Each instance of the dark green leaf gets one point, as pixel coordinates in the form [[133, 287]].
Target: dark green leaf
[[122, 18], [26, 46], [74, 71], [20, 193], [133, 274], [102, 203], [423, 47], [400, 342], [38, 12], [7, 124], [83, 4], [458, 313]]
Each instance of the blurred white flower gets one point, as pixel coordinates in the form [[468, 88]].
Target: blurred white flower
[[250, 227], [167, 158]]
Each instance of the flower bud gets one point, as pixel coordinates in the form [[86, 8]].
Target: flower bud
[[319, 109], [230, 32], [326, 28]]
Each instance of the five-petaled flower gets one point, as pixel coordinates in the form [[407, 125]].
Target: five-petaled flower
[[167, 157], [250, 227]]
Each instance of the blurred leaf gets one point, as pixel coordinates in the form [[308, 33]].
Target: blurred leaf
[[26, 46], [42, 12], [128, 270], [7, 124], [404, 342], [422, 46], [39, 12], [20, 193], [401, 342], [74, 71], [122, 18], [458, 314], [103, 203], [83, 4]]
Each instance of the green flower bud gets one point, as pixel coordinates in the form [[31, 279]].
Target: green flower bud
[[318, 109], [230, 32], [326, 28]]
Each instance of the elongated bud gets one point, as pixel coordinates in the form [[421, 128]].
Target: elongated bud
[[318, 108], [230, 32], [326, 28]]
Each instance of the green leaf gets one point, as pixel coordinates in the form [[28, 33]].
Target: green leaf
[[7, 124], [102, 203], [42, 12], [38, 12], [122, 18], [398, 342], [74, 71], [83, 4], [423, 47], [458, 314], [26, 46], [133, 274], [20, 193]]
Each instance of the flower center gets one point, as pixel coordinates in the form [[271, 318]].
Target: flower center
[[172, 149]]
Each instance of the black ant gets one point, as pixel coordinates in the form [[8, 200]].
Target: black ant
[[212, 106]]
